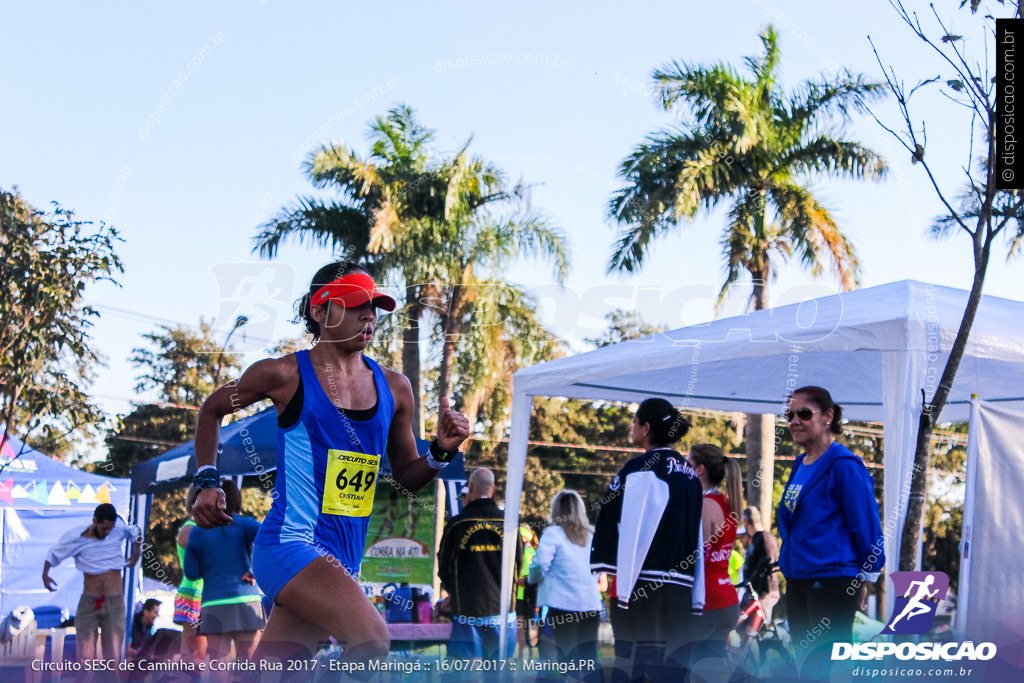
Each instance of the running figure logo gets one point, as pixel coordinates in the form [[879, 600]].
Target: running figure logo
[[917, 596]]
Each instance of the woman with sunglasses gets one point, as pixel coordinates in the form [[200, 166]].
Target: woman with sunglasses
[[829, 523], [339, 412]]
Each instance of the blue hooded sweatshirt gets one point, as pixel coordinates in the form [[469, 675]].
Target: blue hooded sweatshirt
[[831, 526]]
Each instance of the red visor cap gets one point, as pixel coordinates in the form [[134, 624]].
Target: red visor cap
[[352, 291]]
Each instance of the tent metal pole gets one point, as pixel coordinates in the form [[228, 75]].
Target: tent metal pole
[[967, 524], [139, 515], [522, 408]]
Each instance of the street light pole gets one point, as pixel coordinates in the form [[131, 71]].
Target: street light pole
[[239, 322]]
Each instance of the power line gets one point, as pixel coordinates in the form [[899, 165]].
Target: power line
[[138, 316]]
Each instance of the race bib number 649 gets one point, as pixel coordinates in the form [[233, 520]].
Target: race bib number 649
[[349, 483]]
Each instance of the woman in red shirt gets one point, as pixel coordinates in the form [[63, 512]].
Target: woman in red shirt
[[719, 519]]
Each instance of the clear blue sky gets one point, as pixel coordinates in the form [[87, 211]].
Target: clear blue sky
[[235, 94]]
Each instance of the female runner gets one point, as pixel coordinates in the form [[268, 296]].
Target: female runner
[[338, 413]]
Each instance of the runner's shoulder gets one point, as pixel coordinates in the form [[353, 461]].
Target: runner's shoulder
[[274, 372], [396, 380]]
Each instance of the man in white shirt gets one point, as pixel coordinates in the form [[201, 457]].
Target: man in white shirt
[[98, 550]]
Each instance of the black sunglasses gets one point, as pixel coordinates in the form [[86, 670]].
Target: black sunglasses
[[804, 414]]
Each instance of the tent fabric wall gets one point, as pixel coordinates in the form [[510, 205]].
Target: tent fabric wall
[[875, 349], [27, 536], [40, 500], [991, 600]]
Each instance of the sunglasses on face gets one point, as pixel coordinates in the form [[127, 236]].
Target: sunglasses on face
[[804, 414]]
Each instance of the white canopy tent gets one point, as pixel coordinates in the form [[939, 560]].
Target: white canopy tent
[[874, 349]]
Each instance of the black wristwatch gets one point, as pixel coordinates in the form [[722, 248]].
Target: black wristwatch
[[440, 454]]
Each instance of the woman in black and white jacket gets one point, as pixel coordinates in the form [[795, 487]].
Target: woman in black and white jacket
[[648, 534]]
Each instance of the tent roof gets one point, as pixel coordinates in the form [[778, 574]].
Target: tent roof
[[751, 363], [34, 480], [248, 447]]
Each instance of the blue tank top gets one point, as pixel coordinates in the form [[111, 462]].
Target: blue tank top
[[327, 467]]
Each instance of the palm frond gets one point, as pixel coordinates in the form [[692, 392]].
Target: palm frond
[[765, 65], [531, 234], [815, 100], [825, 154], [310, 221], [630, 248], [704, 89], [338, 166], [738, 243], [399, 138], [814, 234]]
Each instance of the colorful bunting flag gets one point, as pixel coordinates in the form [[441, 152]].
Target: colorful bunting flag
[[57, 496], [88, 495], [39, 495]]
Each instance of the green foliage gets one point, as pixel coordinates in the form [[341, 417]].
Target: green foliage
[[183, 364], [623, 325], [589, 471], [539, 486], [49, 259], [948, 455], [943, 528], [501, 335], [1005, 209], [145, 433]]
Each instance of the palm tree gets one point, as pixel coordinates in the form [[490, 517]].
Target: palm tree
[[485, 245], [383, 196], [748, 143], [420, 220]]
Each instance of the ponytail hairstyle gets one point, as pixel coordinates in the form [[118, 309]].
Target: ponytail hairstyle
[[667, 424], [719, 467], [821, 398], [568, 512], [324, 276]]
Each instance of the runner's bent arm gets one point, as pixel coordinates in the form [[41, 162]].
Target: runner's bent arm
[[264, 379], [407, 467]]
